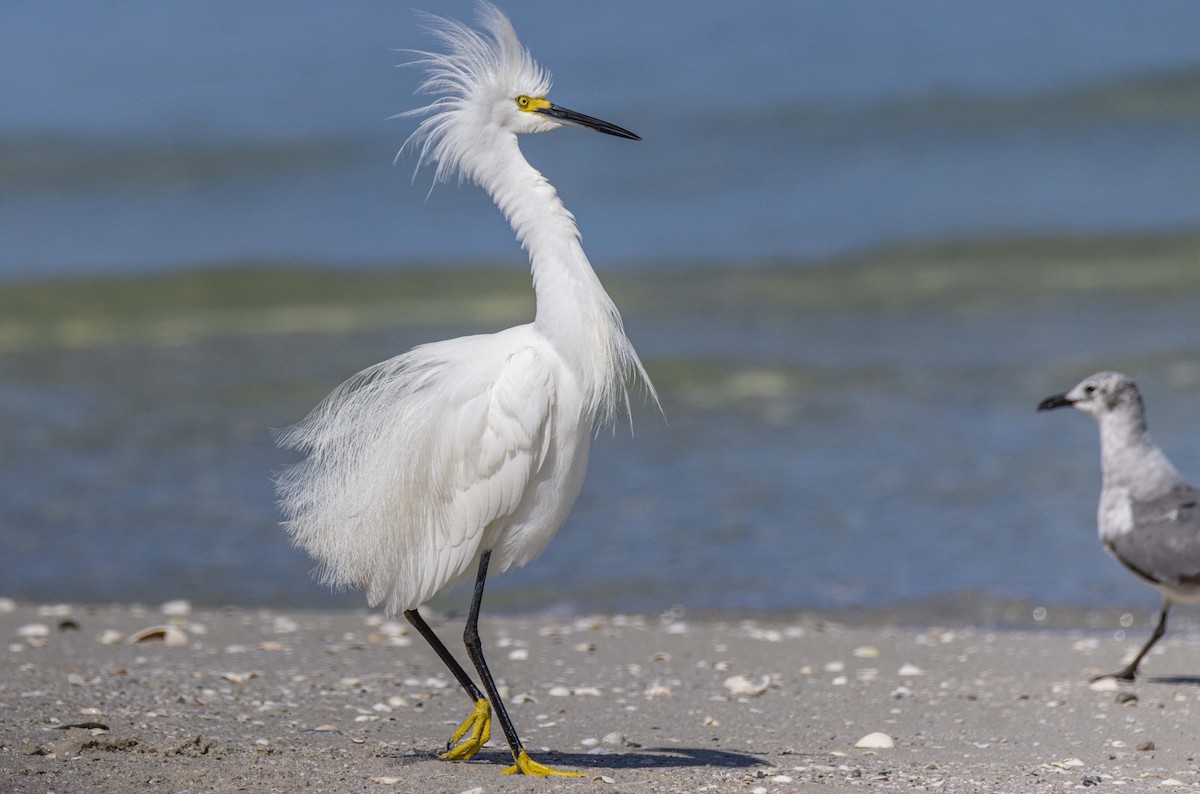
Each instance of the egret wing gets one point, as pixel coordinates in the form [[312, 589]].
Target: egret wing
[[485, 464], [412, 462]]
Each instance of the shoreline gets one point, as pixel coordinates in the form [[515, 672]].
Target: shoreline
[[270, 700]]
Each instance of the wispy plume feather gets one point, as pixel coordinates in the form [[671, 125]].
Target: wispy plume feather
[[477, 69]]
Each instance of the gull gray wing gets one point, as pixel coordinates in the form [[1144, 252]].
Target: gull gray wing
[[1163, 544]]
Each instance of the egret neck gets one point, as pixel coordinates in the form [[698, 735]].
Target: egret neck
[[573, 310]]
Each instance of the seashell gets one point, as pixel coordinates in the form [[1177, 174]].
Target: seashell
[[170, 635], [657, 691], [740, 685], [1067, 764], [178, 608], [876, 741], [393, 628], [34, 630]]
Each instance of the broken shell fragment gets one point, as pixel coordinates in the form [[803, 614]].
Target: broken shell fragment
[[170, 635]]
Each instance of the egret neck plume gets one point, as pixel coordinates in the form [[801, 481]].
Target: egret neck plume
[[470, 131]]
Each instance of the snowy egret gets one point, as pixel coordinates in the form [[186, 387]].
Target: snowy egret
[[467, 454], [1149, 516]]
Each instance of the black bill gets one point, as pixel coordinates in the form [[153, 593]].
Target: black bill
[[1055, 401], [580, 120]]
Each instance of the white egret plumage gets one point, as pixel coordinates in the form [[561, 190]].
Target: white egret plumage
[[467, 454]]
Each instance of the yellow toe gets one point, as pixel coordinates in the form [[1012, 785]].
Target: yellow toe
[[527, 766], [479, 727]]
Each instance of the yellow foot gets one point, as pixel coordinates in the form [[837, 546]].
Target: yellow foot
[[480, 726], [527, 766]]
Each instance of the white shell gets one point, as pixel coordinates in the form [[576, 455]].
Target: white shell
[[876, 741], [740, 685], [177, 608]]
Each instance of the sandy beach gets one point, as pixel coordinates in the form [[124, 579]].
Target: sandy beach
[[250, 700]]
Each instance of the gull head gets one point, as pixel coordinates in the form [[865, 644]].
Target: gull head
[[1098, 395]]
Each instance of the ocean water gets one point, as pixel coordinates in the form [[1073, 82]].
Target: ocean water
[[859, 242], [140, 136]]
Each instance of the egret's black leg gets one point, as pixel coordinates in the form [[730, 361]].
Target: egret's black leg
[[523, 763], [1130, 671], [418, 622], [479, 724], [475, 651]]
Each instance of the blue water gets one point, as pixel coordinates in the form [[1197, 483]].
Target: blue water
[[843, 428], [141, 136]]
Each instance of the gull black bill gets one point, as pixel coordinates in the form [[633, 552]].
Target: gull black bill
[[1055, 401]]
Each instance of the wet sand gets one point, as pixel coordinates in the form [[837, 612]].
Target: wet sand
[[250, 700]]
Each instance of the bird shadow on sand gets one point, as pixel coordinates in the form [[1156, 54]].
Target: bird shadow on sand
[[1173, 680], [643, 758]]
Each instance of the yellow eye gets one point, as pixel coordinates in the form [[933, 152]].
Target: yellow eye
[[523, 101]]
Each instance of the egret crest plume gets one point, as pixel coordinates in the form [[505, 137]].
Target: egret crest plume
[[477, 71]]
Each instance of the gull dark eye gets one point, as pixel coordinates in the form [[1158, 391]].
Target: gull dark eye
[[1089, 389]]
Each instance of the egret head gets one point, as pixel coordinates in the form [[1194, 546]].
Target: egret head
[[485, 86], [1099, 394]]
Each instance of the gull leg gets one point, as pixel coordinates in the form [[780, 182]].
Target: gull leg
[[1129, 673], [523, 764], [479, 723]]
